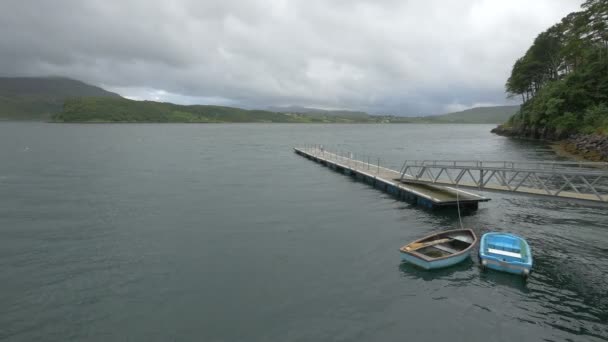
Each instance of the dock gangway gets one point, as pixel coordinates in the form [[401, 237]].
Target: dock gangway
[[583, 181]]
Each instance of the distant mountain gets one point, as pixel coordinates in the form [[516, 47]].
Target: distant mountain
[[294, 109], [38, 98], [318, 112], [67, 100], [109, 109], [487, 115]]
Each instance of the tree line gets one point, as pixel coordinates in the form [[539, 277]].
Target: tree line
[[562, 79]]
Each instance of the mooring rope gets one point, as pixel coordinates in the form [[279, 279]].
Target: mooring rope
[[458, 207]]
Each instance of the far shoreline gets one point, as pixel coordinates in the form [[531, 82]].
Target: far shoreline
[[253, 122]]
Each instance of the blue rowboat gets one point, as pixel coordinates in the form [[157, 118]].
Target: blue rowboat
[[505, 252], [440, 250]]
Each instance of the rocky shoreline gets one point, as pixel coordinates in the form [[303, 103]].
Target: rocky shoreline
[[592, 147]]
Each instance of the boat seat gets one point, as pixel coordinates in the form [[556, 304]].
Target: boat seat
[[446, 249], [461, 240], [506, 253]]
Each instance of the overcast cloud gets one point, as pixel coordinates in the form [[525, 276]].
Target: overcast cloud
[[383, 56]]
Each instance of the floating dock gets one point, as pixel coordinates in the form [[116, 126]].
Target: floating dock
[[427, 196]]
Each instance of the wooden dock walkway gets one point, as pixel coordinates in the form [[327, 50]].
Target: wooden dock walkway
[[388, 180]]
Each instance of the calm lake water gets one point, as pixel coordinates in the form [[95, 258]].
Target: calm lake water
[[163, 232]]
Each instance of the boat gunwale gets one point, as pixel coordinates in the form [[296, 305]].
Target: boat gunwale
[[526, 262], [428, 259]]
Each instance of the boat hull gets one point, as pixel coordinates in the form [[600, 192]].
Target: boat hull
[[440, 250], [434, 264], [516, 261], [504, 267]]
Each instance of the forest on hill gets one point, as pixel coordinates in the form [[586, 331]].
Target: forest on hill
[[562, 79]]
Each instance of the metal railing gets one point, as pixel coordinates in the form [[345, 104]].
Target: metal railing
[[347, 158], [532, 165], [577, 180]]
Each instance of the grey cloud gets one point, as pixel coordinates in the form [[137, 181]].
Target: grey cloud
[[387, 56]]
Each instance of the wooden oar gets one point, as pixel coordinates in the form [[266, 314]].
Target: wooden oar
[[418, 245]]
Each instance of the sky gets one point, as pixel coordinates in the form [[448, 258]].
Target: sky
[[400, 57]]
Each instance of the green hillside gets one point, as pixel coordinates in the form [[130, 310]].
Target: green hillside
[[37, 98], [477, 115], [109, 109], [487, 115], [66, 100], [98, 109]]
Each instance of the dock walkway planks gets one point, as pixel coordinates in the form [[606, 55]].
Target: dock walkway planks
[[430, 196]]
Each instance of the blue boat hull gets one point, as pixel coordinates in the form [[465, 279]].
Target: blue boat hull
[[505, 253], [434, 264], [522, 270]]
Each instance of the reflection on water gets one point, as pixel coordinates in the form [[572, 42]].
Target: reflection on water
[[449, 274], [463, 273], [492, 278]]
